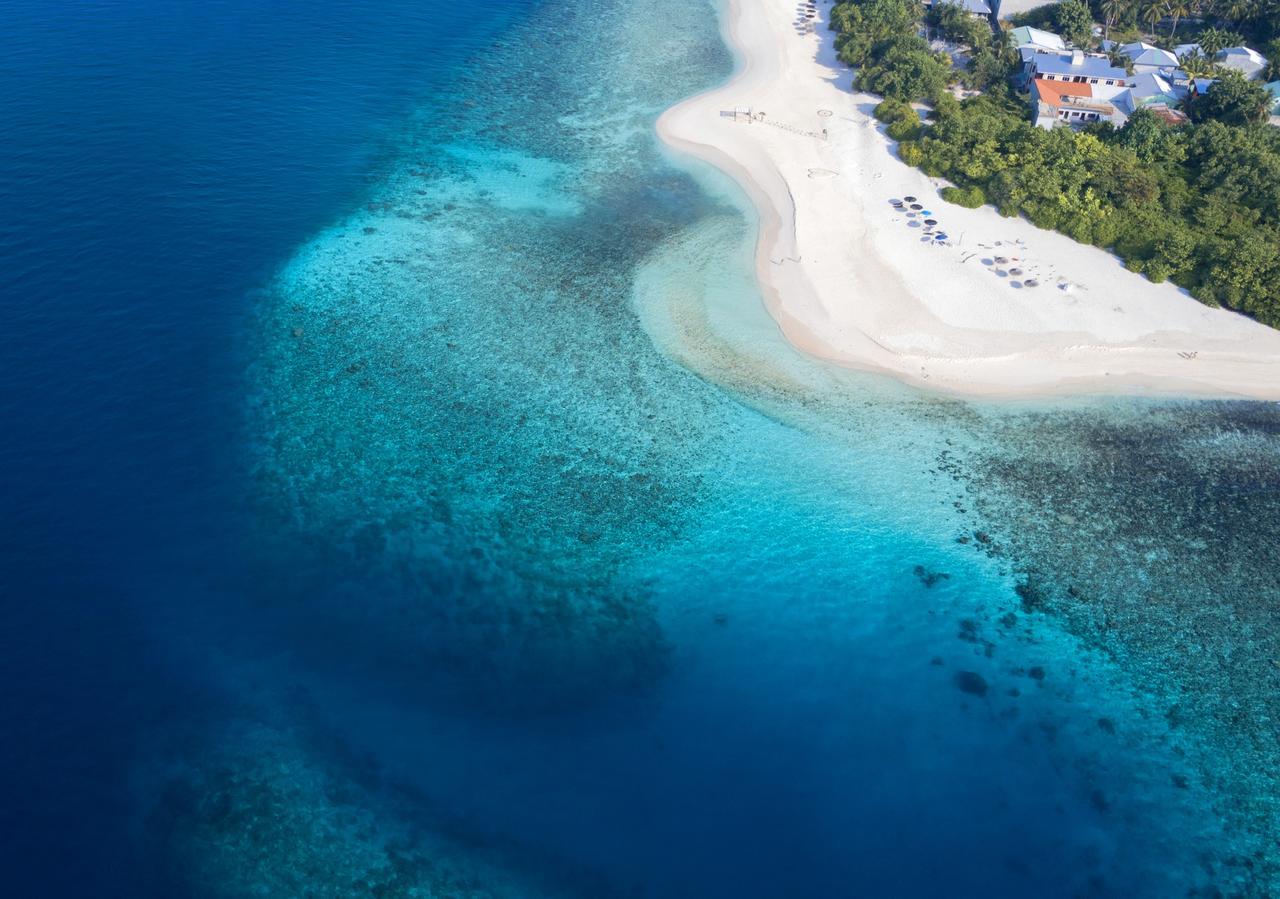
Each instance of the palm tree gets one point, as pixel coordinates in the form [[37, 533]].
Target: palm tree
[[1214, 39], [1233, 10], [1152, 13], [1177, 9], [1112, 10]]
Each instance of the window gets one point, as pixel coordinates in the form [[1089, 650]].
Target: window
[[1095, 81]]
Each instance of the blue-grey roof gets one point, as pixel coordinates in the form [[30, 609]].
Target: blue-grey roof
[[1148, 55], [1149, 84], [1090, 66], [978, 7], [1145, 89]]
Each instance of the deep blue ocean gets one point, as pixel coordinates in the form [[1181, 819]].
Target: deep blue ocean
[[406, 493]]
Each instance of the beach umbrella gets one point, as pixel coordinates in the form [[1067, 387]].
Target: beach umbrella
[[916, 206], [1032, 282], [909, 199], [931, 221]]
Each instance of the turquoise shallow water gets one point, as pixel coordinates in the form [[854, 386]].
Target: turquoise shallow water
[[548, 567], [705, 595]]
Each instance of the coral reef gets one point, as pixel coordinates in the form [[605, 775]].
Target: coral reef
[[1152, 531], [262, 811]]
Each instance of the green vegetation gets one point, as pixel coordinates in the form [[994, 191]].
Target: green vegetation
[[903, 121], [1197, 204], [1233, 100], [950, 21], [1071, 18], [880, 40], [968, 197]]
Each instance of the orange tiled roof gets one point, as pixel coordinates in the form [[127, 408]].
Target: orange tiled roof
[[1052, 92]]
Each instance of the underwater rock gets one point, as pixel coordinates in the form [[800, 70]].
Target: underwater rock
[[1107, 725], [929, 578], [1036, 672], [971, 682], [1099, 800], [1033, 594]]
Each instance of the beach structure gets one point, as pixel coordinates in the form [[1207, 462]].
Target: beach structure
[[1077, 67], [1033, 39], [1187, 50], [1148, 57], [1249, 63]]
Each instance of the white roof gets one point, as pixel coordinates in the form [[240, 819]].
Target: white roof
[[1148, 55], [1135, 47], [1186, 50], [1026, 36], [1242, 59]]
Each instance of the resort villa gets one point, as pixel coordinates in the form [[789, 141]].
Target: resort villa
[[1072, 87], [1069, 103], [1077, 67], [1075, 88]]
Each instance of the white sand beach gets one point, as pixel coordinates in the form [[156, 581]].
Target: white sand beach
[[852, 279]]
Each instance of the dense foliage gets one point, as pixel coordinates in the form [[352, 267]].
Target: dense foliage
[[1233, 100], [880, 39], [1197, 204]]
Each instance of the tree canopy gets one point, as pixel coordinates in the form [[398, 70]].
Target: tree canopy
[[1233, 100]]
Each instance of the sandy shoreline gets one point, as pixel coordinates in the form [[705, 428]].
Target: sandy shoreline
[[849, 279]]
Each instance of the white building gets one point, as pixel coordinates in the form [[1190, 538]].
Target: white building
[[1077, 67]]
